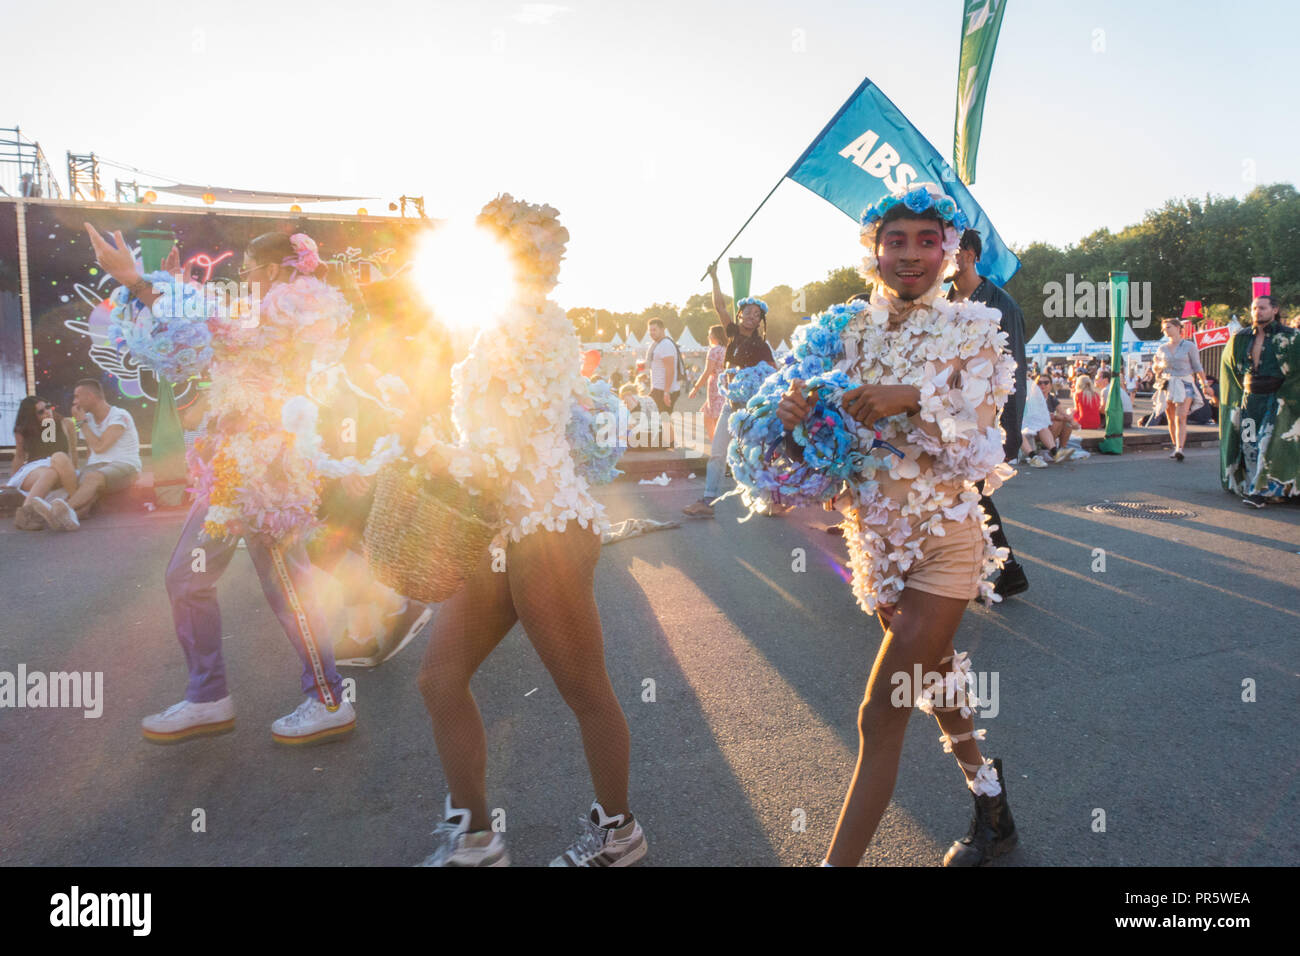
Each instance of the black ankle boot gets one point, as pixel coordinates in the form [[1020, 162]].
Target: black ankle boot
[[1011, 581], [992, 831]]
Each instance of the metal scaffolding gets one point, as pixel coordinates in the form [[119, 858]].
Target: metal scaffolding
[[24, 171]]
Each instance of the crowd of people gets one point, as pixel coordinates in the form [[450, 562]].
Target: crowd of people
[[902, 410]]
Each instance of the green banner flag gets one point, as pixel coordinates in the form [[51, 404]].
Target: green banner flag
[[1113, 443], [154, 246], [740, 272], [981, 22], [167, 441]]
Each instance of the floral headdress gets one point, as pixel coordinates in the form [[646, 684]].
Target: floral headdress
[[752, 300], [920, 198], [535, 238], [306, 259]]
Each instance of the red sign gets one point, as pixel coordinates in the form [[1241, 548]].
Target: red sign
[[1209, 338]]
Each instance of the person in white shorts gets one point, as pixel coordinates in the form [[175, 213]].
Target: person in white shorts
[[112, 466]]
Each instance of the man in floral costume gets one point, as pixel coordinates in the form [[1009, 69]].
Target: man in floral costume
[[1259, 426], [252, 480], [888, 411]]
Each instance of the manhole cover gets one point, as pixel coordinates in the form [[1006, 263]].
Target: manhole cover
[[1139, 509]]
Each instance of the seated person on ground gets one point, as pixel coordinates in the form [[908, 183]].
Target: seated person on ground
[[112, 466], [1045, 421]]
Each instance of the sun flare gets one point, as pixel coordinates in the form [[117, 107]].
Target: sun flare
[[465, 275]]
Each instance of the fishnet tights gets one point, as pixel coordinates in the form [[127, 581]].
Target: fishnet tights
[[548, 587]]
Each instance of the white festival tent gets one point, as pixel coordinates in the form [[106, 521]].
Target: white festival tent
[[782, 349], [687, 343], [632, 342], [1038, 343], [1080, 337], [616, 341]]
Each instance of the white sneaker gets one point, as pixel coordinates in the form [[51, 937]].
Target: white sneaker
[[1062, 453], [64, 518], [39, 508], [604, 841], [190, 719], [1036, 461], [457, 846], [313, 722]]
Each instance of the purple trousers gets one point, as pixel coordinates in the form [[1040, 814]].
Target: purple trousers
[[285, 573]]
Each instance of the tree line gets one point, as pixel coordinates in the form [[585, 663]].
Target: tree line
[[1203, 249]]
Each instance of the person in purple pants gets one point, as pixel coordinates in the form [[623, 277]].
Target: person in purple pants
[[252, 480]]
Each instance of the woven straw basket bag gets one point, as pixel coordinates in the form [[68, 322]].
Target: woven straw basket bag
[[425, 538]]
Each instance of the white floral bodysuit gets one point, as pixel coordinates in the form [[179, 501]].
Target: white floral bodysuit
[[954, 353], [512, 397]]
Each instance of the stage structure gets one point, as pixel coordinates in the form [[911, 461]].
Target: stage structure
[[53, 297], [24, 171]]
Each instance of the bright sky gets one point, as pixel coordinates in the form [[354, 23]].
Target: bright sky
[[657, 127]]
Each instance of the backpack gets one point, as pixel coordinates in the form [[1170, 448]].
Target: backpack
[[680, 378]]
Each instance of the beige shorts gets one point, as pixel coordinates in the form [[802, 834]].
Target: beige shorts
[[950, 566], [118, 476]]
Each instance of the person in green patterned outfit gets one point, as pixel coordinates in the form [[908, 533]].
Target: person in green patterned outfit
[[1259, 428]]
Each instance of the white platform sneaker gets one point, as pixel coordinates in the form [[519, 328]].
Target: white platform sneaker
[[189, 719], [313, 723]]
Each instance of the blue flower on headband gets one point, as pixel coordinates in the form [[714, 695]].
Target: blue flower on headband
[[918, 200], [752, 301]]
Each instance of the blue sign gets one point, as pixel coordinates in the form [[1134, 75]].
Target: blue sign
[[869, 149]]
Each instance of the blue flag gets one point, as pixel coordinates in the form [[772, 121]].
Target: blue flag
[[869, 148]]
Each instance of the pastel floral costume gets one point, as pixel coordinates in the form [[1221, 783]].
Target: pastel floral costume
[[252, 481], [954, 354], [515, 395], [901, 478], [258, 356]]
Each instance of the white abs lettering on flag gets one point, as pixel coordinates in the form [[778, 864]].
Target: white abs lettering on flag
[[880, 161]]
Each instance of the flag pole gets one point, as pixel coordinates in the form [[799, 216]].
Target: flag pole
[[741, 229]]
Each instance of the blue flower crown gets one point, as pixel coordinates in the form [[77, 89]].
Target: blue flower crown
[[752, 301], [918, 200]]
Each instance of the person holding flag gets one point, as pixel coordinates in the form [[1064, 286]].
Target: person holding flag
[[929, 378], [747, 347]]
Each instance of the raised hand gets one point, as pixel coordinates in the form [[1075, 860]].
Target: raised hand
[[114, 256], [172, 264]]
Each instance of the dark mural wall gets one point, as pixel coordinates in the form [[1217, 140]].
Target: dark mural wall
[[13, 384], [69, 292]]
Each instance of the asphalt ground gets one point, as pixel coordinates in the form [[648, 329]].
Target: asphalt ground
[[1120, 713]]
